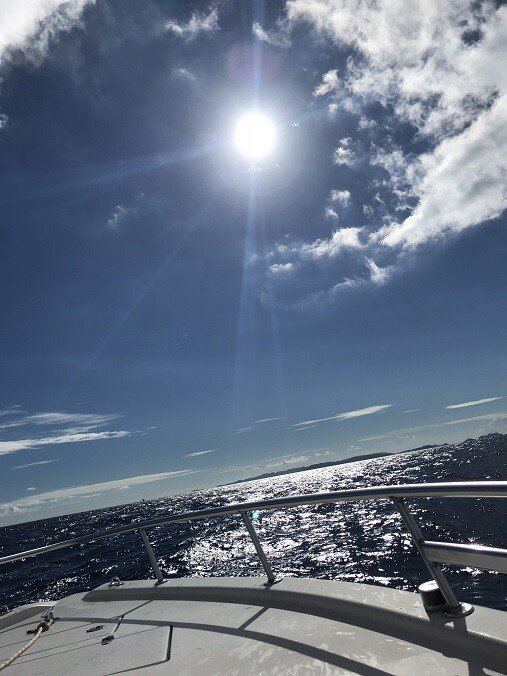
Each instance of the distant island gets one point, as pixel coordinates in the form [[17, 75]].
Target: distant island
[[321, 465]]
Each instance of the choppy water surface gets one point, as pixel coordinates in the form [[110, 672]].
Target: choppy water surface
[[358, 542]]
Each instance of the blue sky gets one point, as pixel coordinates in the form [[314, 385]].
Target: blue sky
[[177, 315]]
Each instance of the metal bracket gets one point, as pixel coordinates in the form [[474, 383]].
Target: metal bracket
[[452, 603], [153, 560], [258, 548]]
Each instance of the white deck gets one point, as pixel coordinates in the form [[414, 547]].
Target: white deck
[[239, 626]]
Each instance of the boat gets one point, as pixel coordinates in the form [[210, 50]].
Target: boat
[[268, 625]]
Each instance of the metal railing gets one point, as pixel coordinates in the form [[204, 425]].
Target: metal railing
[[434, 554]]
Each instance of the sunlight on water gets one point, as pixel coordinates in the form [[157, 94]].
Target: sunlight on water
[[357, 542]]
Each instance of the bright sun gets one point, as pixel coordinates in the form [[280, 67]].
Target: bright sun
[[255, 135]]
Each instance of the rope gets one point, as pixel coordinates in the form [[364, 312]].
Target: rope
[[42, 626]]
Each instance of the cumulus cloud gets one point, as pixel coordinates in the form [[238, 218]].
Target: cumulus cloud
[[281, 268], [346, 152], [340, 196], [440, 67], [365, 123], [369, 410], [466, 404], [464, 182], [330, 83], [333, 245], [344, 249], [199, 22], [29, 26], [438, 70], [374, 275], [378, 275]]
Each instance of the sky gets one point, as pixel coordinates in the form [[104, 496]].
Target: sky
[[180, 310]]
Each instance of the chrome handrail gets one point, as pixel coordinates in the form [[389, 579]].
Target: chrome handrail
[[434, 554]]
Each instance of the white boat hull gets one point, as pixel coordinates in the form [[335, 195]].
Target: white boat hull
[[240, 626]]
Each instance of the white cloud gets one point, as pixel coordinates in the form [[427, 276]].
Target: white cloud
[[72, 437], [466, 404], [243, 430], [11, 410], [287, 459], [82, 421], [340, 196], [199, 22], [31, 25], [378, 275], [267, 420], [295, 459], [34, 464], [78, 427], [346, 153], [365, 123], [494, 417], [277, 39], [331, 213], [340, 239], [369, 410], [464, 182], [31, 488], [4, 120], [63, 418], [330, 83], [38, 500], [281, 268], [183, 74], [118, 215], [320, 258], [440, 67], [196, 453], [405, 174]]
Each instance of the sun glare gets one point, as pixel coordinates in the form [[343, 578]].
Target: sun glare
[[254, 135]]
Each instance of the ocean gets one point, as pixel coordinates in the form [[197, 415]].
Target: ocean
[[357, 542]]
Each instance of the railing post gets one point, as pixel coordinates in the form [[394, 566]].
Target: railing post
[[153, 560], [258, 547], [434, 569]]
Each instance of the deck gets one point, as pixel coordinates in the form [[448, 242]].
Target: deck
[[241, 626]]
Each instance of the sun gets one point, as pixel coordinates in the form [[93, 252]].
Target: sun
[[254, 135]]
